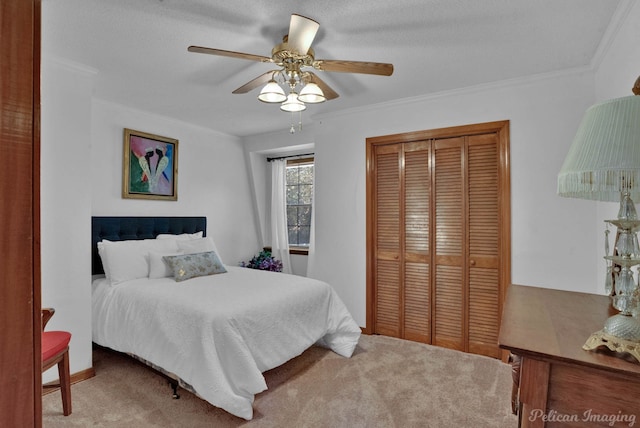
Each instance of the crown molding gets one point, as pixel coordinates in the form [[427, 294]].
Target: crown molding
[[617, 21], [483, 87]]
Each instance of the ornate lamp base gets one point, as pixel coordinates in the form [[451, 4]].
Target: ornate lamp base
[[600, 338]]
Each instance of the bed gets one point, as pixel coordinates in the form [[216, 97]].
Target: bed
[[214, 332]]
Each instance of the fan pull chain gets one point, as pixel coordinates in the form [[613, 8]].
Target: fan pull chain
[[292, 130]]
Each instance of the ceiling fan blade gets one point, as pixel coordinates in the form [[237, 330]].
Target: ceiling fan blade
[[329, 93], [258, 81], [378, 68], [302, 31], [232, 54]]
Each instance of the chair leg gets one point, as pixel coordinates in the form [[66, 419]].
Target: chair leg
[[65, 383], [515, 361]]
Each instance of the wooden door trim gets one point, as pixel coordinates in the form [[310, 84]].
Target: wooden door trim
[[21, 366], [37, 261], [369, 236], [440, 133]]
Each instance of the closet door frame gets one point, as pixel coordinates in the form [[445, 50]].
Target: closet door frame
[[501, 128], [21, 323]]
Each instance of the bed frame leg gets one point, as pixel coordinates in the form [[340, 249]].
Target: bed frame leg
[[174, 386]]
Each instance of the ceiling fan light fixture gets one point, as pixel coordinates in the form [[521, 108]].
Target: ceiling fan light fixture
[[312, 94], [292, 56], [272, 93], [293, 104]]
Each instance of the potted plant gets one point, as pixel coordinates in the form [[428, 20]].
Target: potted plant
[[264, 261]]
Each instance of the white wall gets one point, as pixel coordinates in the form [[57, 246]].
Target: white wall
[[81, 174], [552, 237], [66, 204], [257, 149], [620, 65], [212, 178], [556, 242]]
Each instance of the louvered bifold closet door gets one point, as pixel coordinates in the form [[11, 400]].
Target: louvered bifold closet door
[[450, 232], [484, 226], [387, 214], [438, 235], [417, 323]]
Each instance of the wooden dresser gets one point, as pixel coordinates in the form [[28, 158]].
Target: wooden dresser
[[562, 385]]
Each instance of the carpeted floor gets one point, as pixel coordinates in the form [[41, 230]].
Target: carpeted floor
[[387, 383]]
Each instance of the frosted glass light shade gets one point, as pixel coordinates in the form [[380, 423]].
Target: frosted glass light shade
[[272, 93], [604, 158], [311, 93], [292, 103]]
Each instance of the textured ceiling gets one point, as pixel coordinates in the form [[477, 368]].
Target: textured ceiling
[[139, 49]]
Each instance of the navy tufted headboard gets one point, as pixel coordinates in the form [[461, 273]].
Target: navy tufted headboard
[[125, 228]]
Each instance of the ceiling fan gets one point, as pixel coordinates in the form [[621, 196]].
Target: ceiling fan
[[293, 56]]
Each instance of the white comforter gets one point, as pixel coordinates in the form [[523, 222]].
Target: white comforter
[[219, 333]]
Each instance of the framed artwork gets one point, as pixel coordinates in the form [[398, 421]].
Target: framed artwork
[[150, 166]]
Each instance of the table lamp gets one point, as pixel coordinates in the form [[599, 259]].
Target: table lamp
[[603, 164]]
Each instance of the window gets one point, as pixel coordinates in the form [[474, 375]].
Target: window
[[299, 200]]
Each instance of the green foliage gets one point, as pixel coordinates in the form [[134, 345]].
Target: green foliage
[[264, 261]]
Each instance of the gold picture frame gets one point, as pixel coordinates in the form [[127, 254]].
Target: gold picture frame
[[150, 166]]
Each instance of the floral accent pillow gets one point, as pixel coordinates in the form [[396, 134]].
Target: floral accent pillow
[[187, 266]]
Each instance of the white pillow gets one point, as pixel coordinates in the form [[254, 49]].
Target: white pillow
[[181, 237], [157, 266], [126, 260], [103, 256], [201, 245]]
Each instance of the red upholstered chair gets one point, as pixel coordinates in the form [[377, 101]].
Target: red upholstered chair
[[55, 350]]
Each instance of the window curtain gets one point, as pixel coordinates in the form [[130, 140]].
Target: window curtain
[[279, 232], [311, 256]]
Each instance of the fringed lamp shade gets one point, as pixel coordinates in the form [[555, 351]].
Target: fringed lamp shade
[[604, 158], [603, 164]]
